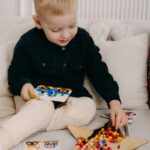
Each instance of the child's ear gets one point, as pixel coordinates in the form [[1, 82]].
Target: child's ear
[[37, 21]]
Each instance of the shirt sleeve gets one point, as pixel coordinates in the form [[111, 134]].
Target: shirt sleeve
[[98, 73], [19, 71]]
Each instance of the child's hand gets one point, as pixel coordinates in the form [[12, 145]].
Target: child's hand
[[117, 114], [27, 92]]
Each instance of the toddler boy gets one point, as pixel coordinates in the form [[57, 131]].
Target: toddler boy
[[58, 53]]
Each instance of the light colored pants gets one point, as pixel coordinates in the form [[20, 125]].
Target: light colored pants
[[36, 115]]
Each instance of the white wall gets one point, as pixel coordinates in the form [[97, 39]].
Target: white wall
[[118, 9], [95, 9], [16, 7], [9, 7]]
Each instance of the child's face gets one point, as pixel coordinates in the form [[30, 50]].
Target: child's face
[[59, 29]]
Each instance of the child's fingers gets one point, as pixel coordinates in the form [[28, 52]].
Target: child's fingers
[[31, 90], [27, 92], [25, 98], [117, 123], [25, 95], [121, 120], [32, 93], [124, 121], [113, 119]]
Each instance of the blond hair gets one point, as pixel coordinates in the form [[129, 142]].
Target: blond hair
[[55, 6]]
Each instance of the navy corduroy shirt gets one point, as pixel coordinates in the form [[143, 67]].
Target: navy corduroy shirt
[[39, 61]]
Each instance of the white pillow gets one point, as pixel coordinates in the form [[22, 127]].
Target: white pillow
[[6, 52], [127, 62], [99, 32], [15, 32], [120, 32], [6, 100], [7, 21], [83, 23], [139, 26], [7, 106], [111, 23]]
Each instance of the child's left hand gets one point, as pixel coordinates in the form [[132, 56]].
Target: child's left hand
[[117, 115]]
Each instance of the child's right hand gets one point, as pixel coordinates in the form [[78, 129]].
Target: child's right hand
[[26, 91]]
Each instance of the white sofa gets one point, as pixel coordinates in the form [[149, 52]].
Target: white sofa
[[126, 57]]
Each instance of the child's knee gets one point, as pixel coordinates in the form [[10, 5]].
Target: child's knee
[[90, 105], [39, 107], [88, 111], [84, 111]]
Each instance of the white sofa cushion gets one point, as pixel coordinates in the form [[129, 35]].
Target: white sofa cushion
[[7, 106], [99, 32], [127, 62], [121, 31], [6, 52], [130, 71], [6, 100], [15, 29]]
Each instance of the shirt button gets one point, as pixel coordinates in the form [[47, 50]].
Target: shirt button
[[63, 48], [65, 65], [44, 64]]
